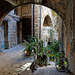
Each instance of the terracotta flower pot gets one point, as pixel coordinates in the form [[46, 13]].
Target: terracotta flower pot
[[27, 52], [41, 65]]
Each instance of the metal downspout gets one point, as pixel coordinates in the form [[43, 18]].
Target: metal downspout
[[62, 37], [40, 23], [33, 20]]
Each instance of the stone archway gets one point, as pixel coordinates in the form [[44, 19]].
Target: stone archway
[[64, 8], [8, 5]]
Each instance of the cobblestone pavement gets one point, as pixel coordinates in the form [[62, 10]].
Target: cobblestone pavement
[[12, 59]]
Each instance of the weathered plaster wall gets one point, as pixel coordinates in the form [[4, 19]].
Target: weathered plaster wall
[[54, 21]]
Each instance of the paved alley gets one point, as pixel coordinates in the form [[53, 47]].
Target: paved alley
[[12, 62], [12, 59]]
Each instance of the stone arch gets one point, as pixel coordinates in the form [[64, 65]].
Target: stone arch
[[47, 21], [57, 6]]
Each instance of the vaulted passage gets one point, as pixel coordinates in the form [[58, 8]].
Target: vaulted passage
[[37, 20]]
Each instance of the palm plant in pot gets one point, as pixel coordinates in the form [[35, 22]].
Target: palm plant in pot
[[38, 49], [28, 47]]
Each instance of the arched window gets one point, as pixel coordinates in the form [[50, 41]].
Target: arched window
[[47, 21]]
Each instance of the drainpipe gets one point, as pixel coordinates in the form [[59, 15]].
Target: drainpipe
[[33, 20], [40, 23], [62, 37]]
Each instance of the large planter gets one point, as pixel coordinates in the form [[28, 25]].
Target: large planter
[[41, 65], [42, 60]]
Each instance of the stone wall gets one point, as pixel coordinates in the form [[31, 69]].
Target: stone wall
[[40, 12], [9, 30], [44, 29], [53, 23], [69, 32], [12, 29], [25, 10], [12, 32]]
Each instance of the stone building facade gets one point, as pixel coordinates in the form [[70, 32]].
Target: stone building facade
[[39, 16], [25, 14], [9, 31], [18, 27]]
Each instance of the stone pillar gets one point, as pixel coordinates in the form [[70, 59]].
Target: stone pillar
[[20, 31], [37, 20]]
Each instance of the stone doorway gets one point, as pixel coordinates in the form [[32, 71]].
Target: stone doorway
[[26, 28], [4, 35]]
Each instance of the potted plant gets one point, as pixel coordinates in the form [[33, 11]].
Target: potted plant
[[31, 45], [39, 51], [53, 49], [28, 47]]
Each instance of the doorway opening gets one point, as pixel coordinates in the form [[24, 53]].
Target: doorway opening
[[26, 28], [18, 32], [4, 35]]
